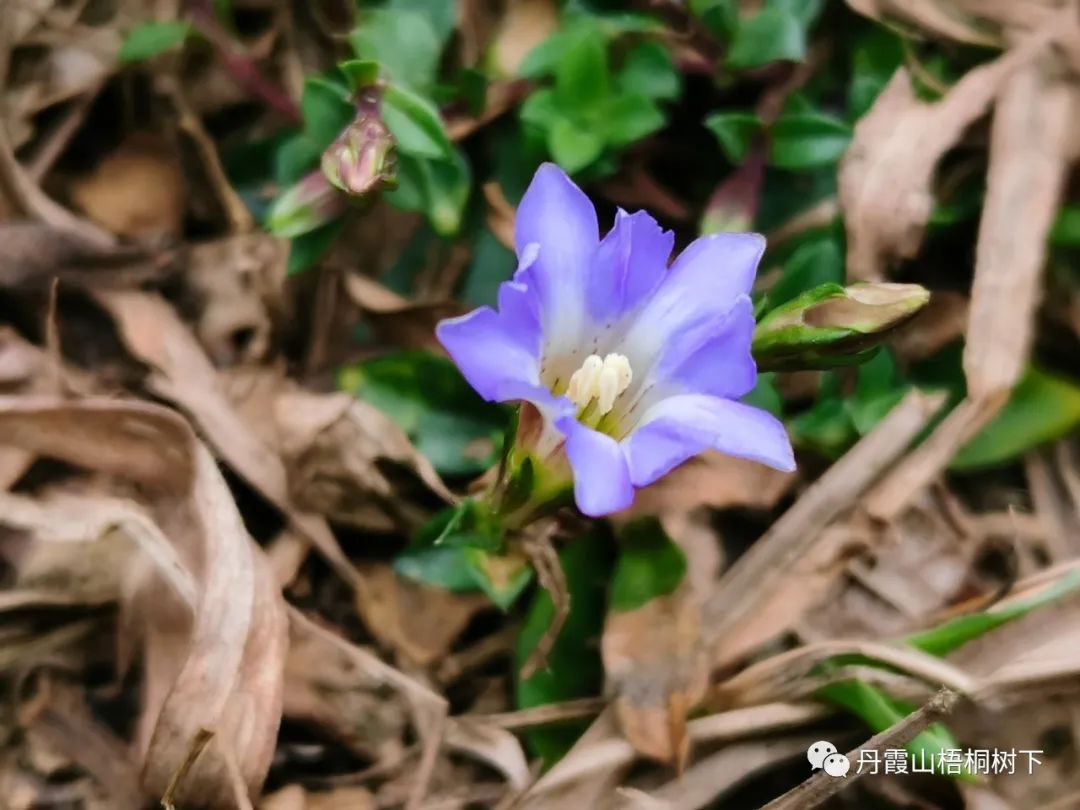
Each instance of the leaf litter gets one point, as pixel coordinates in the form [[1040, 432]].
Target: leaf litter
[[172, 450]]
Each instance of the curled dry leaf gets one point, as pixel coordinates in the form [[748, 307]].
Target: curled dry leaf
[[655, 659], [525, 25], [184, 375], [349, 461], [237, 287], [138, 191], [216, 663], [885, 176]]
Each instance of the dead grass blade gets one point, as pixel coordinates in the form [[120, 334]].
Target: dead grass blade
[[1029, 160]]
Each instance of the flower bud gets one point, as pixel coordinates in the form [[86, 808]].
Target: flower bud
[[308, 204], [832, 325], [361, 158]]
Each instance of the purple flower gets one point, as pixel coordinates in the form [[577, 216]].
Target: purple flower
[[635, 366]]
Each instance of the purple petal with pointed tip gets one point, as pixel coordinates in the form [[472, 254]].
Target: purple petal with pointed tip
[[601, 477], [680, 427], [629, 264]]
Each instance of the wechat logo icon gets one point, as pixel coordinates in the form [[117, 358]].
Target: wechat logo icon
[[824, 757]]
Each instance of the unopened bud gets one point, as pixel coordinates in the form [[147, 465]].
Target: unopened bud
[[361, 158], [308, 204], [832, 325]]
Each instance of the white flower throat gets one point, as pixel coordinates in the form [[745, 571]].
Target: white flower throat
[[601, 380]]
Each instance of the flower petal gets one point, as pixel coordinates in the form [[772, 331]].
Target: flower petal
[[711, 356], [707, 277], [557, 216], [601, 477], [492, 350], [680, 427], [629, 264]]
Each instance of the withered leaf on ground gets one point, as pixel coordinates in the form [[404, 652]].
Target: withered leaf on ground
[[217, 664]]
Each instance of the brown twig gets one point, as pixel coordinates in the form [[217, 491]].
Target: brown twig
[[549, 573], [821, 786], [198, 745]]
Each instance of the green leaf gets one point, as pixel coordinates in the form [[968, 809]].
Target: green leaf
[[1042, 408], [327, 110], [574, 669], [502, 578], [819, 260], [629, 117], [647, 69], [541, 111], [582, 77], [448, 183], [448, 568], [874, 60], [805, 11], [955, 633], [542, 59], [735, 132], [877, 391], [492, 264], [766, 395], [770, 35], [295, 158], [429, 399], [721, 17], [305, 250], [807, 140], [649, 565], [825, 427], [573, 146], [1066, 228], [359, 73], [415, 124], [151, 38], [403, 42]]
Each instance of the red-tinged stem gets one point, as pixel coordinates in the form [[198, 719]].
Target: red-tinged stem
[[238, 64]]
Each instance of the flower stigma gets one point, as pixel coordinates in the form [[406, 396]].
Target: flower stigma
[[599, 383]]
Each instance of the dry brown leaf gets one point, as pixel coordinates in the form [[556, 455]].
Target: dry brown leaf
[[885, 176], [493, 745], [237, 284], [418, 621], [222, 667], [294, 797], [940, 323], [137, 191], [525, 25], [656, 663], [33, 254], [942, 18], [1028, 167], [500, 218], [349, 461], [655, 659], [397, 320], [185, 376]]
